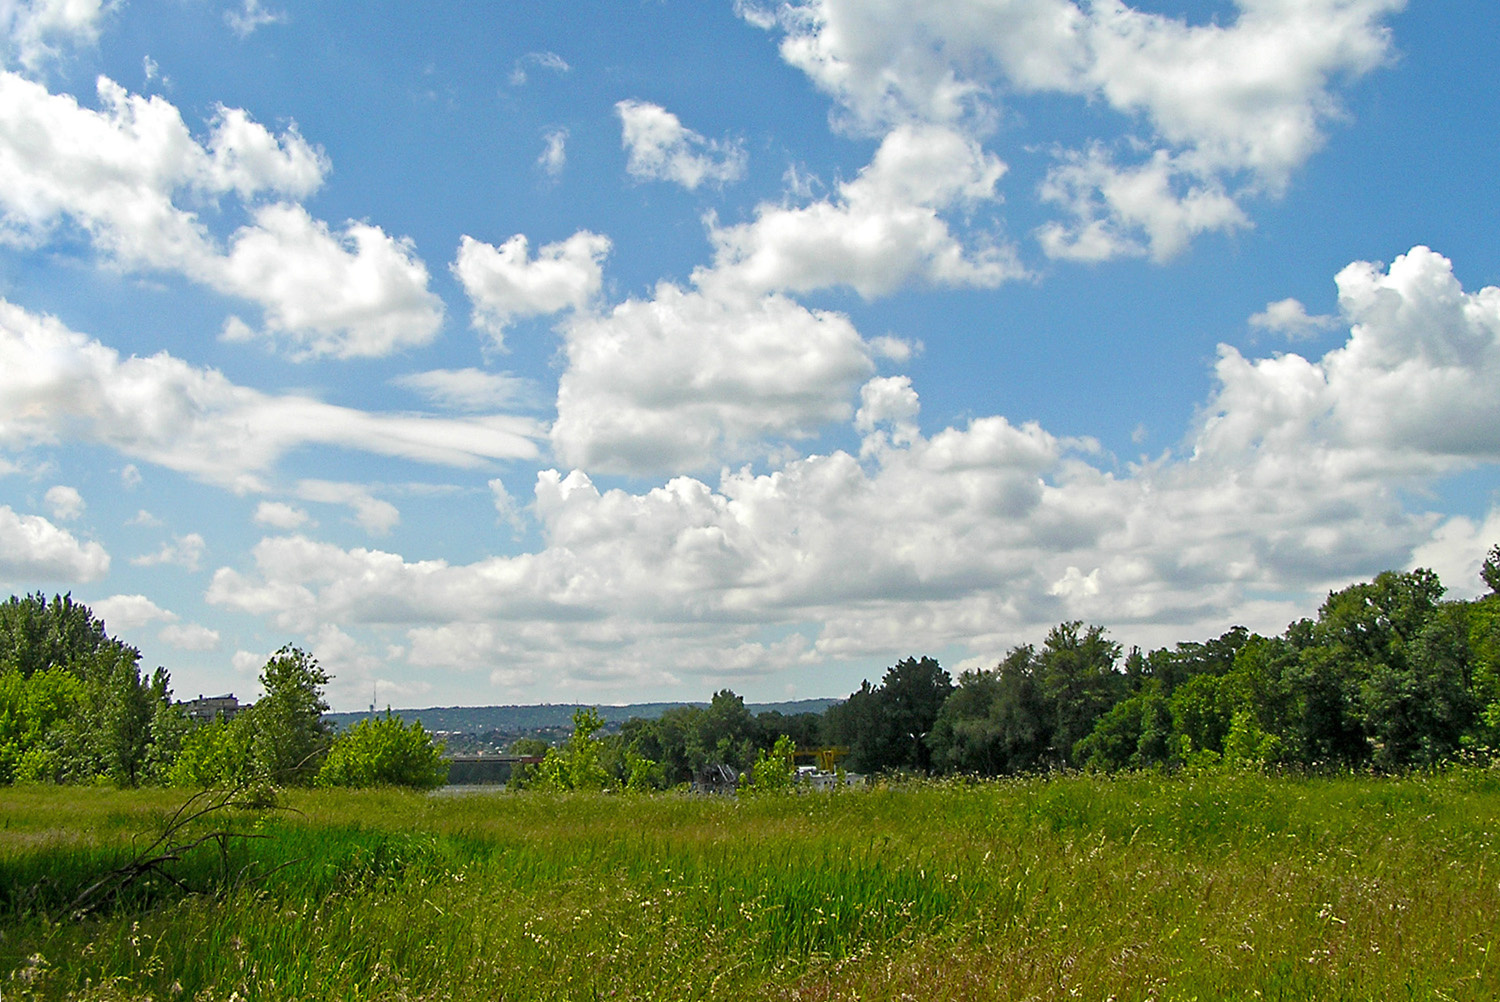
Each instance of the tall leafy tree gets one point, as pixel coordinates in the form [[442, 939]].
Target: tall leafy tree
[[35, 714], [888, 726], [108, 731], [1076, 672], [911, 695], [36, 634], [1357, 681], [1136, 733], [290, 736], [853, 723], [995, 721], [578, 764], [724, 733]]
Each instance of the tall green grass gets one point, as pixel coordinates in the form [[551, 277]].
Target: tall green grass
[[1133, 887]]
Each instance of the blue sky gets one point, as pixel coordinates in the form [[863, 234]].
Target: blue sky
[[612, 352]]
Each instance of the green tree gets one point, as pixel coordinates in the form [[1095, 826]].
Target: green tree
[[36, 634], [170, 726], [219, 753], [1172, 667], [854, 723], [1484, 645], [521, 773], [109, 729], [1418, 708], [995, 721], [774, 771], [35, 715], [577, 764], [1076, 673], [640, 774], [912, 693], [724, 733], [1202, 709], [1361, 681], [1261, 684], [115, 731], [384, 752], [805, 729], [1246, 746], [1136, 733], [1489, 571], [290, 736], [965, 737], [663, 741], [888, 726]]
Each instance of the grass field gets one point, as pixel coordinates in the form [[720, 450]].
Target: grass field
[[1134, 887]]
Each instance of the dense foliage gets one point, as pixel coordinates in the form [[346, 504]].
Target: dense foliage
[[74, 706], [1388, 676], [384, 751]]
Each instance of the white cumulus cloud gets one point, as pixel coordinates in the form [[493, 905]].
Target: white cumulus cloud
[[127, 174], [1411, 390], [32, 548], [280, 515], [882, 230], [125, 613], [189, 637], [1290, 318], [660, 148], [372, 514], [1151, 208], [506, 282], [182, 551], [65, 503], [980, 535], [37, 31], [359, 293], [1211, 114], [685, 380]]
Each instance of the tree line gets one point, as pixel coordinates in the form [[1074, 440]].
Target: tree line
[[1389, 675], [76, 708]]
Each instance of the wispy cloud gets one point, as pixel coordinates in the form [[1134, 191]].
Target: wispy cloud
[[554, 155], [250, 16], [550, 61]]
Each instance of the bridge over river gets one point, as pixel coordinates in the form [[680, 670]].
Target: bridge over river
[[466, 769]]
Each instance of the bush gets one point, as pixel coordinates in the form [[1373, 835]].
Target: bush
[[577, 764], [774, 771], [216, 754], [384, 752]]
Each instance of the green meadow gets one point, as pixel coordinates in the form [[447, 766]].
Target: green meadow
[[1129, 887]]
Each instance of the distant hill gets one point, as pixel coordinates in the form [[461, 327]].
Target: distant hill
[[479, 719]]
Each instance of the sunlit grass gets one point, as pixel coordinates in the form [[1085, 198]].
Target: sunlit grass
[[1136, 887]]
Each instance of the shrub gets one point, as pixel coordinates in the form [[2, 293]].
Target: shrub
[[577, 764], [774, 771], [384, 752], [216, 754]]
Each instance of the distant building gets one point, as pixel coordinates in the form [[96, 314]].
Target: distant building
[[204, 709], [822, 779]]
